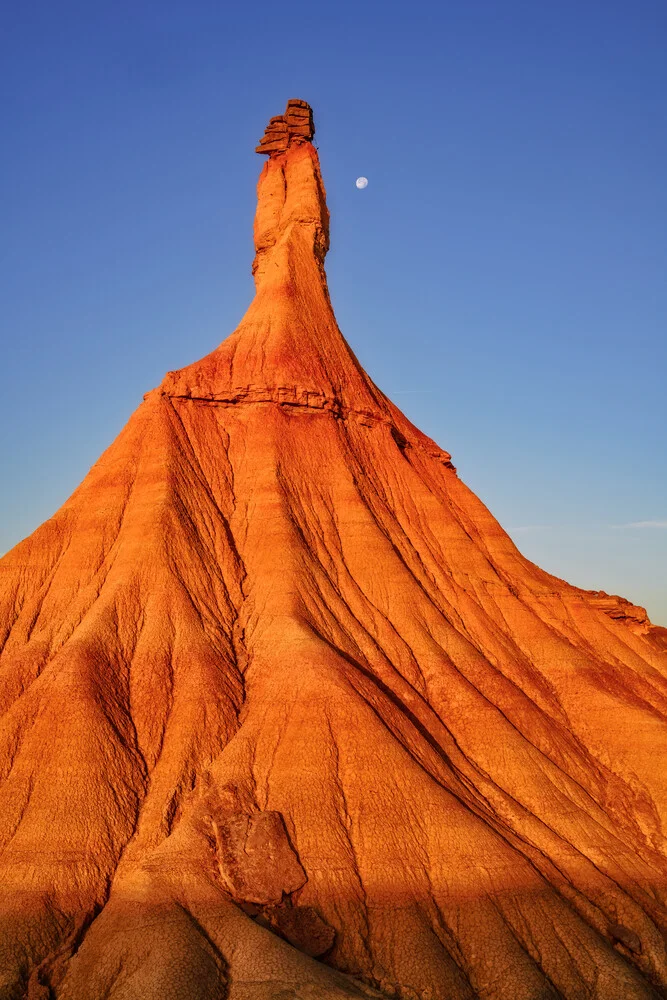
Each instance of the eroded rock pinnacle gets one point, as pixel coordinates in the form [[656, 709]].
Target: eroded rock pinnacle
[[275, 685], [294, 127]]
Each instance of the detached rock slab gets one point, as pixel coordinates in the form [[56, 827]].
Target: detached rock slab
[[257, 863]]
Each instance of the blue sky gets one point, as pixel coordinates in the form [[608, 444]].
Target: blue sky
[[502, 276]]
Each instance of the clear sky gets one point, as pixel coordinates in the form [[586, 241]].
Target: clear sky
[[502, 276]]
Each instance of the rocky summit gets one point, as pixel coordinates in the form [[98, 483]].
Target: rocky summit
[[295, 126], [285, 713]]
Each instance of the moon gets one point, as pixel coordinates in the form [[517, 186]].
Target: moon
[[361, 182]]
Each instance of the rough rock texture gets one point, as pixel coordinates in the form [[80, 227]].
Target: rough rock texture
[[302, 926], [295, 126], [274, 664], [255, 859]]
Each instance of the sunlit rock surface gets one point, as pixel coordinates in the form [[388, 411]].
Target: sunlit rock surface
[[285, 713]]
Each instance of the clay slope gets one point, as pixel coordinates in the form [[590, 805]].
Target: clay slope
[[284, 712]]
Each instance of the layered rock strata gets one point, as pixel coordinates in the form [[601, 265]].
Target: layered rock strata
[[294, 127], [284, 711]]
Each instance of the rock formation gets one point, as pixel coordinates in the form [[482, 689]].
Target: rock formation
[[285, 713], [294, 127]]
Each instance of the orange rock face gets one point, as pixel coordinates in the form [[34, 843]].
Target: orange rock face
[[284, 712]]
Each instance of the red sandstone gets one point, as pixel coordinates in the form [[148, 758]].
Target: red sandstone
[[275, 684]]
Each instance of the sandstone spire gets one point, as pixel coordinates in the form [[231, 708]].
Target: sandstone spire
[[294, 127], [284, 711], [288, 348]]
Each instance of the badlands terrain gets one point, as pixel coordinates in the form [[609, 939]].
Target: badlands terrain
[[285, 713]]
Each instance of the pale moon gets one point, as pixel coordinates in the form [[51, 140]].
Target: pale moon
[[361, 182]]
